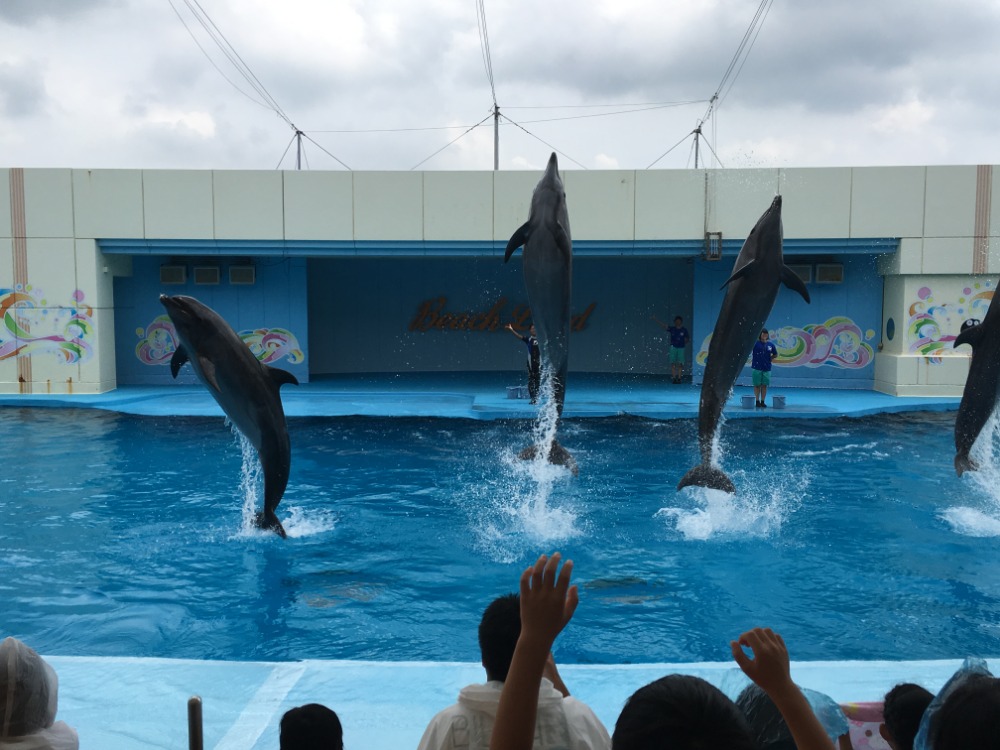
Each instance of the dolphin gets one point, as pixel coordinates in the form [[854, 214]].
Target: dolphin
[[548, 266], [982, 386], [246, 390], [752, 289]]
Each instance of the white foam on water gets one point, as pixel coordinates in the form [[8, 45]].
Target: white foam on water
[[971, 522], [521, 507], [297, 524], [757, 512], [982, 521]]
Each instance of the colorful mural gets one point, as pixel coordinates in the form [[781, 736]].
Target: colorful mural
[[935, 322], [157, 343], [839, 342], [31, 325]]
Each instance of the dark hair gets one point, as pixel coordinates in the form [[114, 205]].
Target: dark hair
[[969, 717], [902, 710], [678, 318], [768, 726], [499, 629], [681, 712], [311, 727], [763, 330]]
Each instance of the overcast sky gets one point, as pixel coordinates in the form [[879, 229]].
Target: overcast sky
[[129, 83]]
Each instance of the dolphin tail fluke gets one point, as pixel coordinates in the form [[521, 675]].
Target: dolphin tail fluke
[[562, 457], [963, 464], [558, 456], [267, 520], [706, 475]]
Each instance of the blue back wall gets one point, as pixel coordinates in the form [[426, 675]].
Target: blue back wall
[[271, 314], [829, 343]]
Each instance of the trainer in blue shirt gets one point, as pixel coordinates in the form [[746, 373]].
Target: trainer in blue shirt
[[763, 353], [678, 344]]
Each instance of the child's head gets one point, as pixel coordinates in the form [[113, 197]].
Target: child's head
[[969, 717], [680, 711], [902, 710]]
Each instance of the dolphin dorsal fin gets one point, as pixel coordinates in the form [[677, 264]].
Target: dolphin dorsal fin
[[739, 273], [517, 239], [280, 377], [208, 370], [794, 282], [971, 336], [177, 361]]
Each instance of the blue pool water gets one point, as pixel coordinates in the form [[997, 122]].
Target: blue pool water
[[125, 536]]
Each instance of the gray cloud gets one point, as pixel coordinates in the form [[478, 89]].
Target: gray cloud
[[22, 91], [29, 12]]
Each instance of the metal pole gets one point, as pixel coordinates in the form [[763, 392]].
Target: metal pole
[[298, 150], [496, 137], [697, 133]]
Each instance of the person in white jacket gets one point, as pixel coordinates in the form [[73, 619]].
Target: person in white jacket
[[29, 697], [563, 723]]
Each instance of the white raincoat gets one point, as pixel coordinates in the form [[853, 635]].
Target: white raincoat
[[29, 695], [562, 723]]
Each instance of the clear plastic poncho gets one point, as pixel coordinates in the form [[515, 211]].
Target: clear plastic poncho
[[29, 696]]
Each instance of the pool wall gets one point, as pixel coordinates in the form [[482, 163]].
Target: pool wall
[[121, 704], [352, 272]]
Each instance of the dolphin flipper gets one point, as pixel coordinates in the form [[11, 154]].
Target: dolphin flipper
[[562, 239], [517, 239], [281, 377], [794, 282], [739, 273], [971, 336], [177, 361], [208, 368], [706, 475]]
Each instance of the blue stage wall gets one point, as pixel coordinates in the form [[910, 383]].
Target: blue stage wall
[[830, 343], [270, 314]]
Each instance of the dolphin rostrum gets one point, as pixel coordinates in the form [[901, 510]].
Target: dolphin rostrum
[[752, 289], [246, 390], [982, 386], [548, 266]]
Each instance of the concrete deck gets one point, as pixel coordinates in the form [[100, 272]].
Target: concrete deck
[[484, 396]]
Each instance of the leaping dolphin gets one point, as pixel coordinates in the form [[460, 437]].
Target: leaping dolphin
[[982, 385], [246, 390], [752, 289], [548, 266]]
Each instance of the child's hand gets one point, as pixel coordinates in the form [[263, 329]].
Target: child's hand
[[547, 599], [769, 666]]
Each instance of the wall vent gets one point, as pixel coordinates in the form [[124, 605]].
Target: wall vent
[[242, 275], [803, 270], [206, 275], [173, 274], [713, 245], [829, 273]]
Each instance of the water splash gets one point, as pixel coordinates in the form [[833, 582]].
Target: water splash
[[251, 482], [298, 524], [547, 422], [758, 512], [982, 521]]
